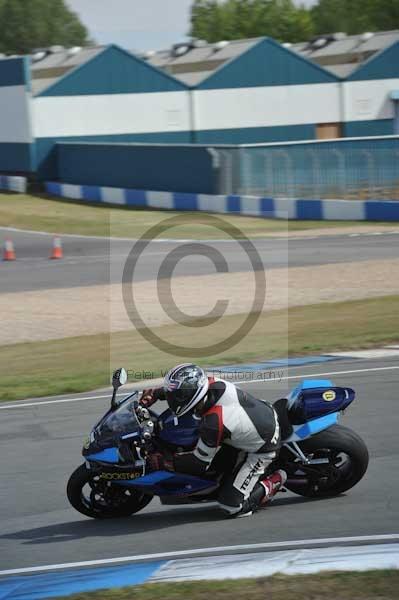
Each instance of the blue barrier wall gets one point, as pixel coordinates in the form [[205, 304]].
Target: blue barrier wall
[[159, 168], [46, 150], [271, 208]]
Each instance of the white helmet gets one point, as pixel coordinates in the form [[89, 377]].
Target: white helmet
[[185, 386]]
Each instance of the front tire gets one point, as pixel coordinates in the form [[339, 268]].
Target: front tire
[[99, 501], [348, 461]]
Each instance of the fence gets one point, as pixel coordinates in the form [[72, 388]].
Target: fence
[[361, 168], [348, 168]]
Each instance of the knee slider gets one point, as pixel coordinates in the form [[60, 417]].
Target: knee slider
[[230, 511]]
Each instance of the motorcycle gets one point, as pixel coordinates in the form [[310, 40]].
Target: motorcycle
[[321, 457]]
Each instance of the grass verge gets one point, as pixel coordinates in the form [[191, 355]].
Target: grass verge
[[78, 364], [370, 585], [41, 213]]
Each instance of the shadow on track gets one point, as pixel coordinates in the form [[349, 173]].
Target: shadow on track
[[136, 524]]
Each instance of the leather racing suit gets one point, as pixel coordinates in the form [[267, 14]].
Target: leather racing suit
[[233, 417]]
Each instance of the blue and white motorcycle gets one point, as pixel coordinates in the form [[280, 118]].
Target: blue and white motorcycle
[[321, 457]]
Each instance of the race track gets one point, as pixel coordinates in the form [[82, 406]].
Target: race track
[[93, 261], [40, 445]]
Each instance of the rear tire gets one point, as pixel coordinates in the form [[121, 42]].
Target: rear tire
[[127, 501], [348, 456]]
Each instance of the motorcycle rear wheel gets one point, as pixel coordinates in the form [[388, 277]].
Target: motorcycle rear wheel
[[106, 502], [348, 461]]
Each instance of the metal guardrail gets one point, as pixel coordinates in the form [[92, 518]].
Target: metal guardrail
[[351, 168]]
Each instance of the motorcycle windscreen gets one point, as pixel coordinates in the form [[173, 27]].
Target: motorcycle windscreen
[[114, 426]]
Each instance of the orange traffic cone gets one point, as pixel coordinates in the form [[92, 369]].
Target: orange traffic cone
[[57, 249], [9, 252]]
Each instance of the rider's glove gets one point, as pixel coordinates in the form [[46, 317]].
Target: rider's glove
[[159, 462], [147, 398]]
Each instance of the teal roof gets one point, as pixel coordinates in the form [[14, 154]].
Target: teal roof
[[384, 65], [113, 71], [267, 64]]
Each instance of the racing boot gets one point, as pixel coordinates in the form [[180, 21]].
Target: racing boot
[[264, 492], [271, 485]]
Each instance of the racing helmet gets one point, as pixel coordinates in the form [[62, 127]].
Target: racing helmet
[[185, 386]]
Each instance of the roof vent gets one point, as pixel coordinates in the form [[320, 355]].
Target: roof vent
[[55, 49], [74, 50], [220, 45], [181, 49], [366, 36], [39, 55], [339, 35], [148, 54], [319, 43], [199, 43]]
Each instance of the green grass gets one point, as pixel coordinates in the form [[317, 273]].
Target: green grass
[[82, 363], [369, 585], [43, 213]]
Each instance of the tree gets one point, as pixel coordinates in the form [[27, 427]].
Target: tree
[[286, 22], [209, 20], [356, 16], [29, 24], [234, 19]]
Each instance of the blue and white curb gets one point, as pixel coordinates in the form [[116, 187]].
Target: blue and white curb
[[272, 208], [53, 585], [13, 184], [246, 564], [292, 562], [391, 351]]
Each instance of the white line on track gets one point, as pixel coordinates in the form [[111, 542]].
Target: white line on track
[[120, 239], [318, 374], [174, 240], [200, 551], [18, 403]]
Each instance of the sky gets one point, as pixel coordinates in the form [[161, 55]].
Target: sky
[[137, 24]]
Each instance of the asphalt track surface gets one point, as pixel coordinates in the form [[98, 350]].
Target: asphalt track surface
[[40, 446], [92, 261]]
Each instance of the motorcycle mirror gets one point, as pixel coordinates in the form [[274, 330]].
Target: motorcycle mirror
[[119, 377]]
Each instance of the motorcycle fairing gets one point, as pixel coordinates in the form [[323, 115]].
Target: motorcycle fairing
[[307, 384], [166, 483], [312, 399], [109, 455], [182, 431], [306, 430]]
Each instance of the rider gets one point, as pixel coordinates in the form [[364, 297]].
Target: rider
[[228, 416]]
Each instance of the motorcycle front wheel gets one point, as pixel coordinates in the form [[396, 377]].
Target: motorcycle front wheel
[[99, 500], [343, 460]]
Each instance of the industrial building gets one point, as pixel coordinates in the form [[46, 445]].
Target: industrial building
[[354, 93], [238, 92]]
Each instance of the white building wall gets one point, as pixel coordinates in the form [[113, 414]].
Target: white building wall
[[111, 114], [369, 100], [267, 106]]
